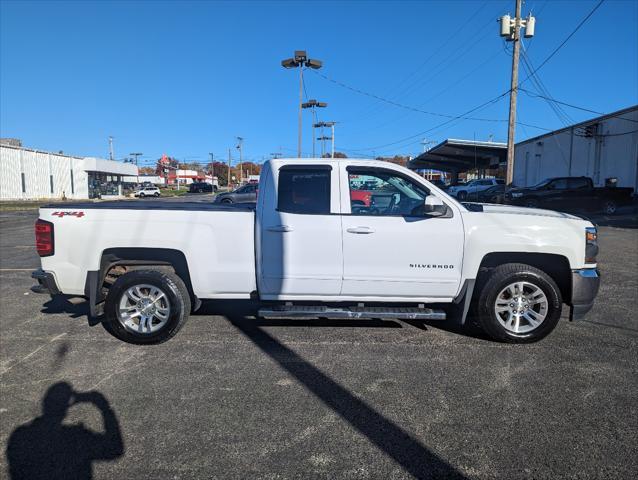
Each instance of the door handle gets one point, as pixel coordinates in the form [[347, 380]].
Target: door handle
[[279, 228], [360, 230]]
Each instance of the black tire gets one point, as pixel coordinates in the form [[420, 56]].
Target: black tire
[[199, 190], [532, 203], [142, 195], [462, 195], [156, 194], [177, 296], [492, 283], [227, 200], [610, 207]]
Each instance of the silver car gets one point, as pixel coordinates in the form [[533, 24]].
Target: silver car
[[244, 194]]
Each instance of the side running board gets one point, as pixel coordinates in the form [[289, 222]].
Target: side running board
[[303, 311]]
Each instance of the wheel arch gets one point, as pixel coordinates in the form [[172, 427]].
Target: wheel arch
[[124, 257], [555, 265]]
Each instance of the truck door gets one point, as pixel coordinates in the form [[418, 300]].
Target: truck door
[[390, 248], [301, 253]]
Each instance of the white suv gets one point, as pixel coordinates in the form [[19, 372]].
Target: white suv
[[147, 192], [462, 191]]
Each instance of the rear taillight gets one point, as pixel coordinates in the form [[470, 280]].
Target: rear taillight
[[44, 238]]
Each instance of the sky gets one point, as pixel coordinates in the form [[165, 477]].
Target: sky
[[185, 78]]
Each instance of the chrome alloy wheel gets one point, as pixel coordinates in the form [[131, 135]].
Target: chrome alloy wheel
[[521, 307], [144, 309]]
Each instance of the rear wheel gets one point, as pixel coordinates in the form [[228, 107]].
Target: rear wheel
[[518, 303], [146, 306], [531, 203], [610, 207]]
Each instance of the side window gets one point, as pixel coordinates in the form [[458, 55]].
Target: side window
[[304, 190], [559, 184], [500, 181], [578, 183], [383, 192]]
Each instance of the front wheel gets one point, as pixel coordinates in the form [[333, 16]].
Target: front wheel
[[146, 306], [531, 203], [141, 195], [518, 303], [156, 194]]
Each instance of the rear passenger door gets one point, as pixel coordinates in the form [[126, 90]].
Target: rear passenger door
[[300, 252]]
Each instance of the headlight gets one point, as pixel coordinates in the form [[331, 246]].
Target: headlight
[[517, 195], [591, 244]]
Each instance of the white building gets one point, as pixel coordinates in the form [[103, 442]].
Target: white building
[[28, 174], [603, 148]]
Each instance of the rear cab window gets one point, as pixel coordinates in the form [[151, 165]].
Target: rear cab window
[[304, 189]]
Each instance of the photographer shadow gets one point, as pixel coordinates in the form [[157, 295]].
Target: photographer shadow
[[45, 448]]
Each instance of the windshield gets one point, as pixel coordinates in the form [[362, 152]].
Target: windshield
[[544, 182]]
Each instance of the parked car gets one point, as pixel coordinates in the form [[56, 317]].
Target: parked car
[[147, 192], [494, 194], [570, 193], [462, 192], [244, 194], [306, 251], [201, 187]]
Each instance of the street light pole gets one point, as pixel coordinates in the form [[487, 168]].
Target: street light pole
[[313, 104], [240, 141], [300, 60]]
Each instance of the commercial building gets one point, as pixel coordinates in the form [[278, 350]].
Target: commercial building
[[28, 174], [603, 148]]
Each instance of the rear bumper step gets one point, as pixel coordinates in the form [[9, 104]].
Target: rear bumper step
[[399, 313]]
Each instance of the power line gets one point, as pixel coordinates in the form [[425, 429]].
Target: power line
[[397, 104], [532, 94], [582, 22]]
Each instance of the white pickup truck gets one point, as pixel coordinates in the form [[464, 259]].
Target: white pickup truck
[[327, 238]]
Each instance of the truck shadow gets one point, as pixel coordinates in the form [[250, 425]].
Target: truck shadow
[[398, 444]]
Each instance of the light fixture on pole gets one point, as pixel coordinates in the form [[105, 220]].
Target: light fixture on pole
[[313, 104], [300, 60]]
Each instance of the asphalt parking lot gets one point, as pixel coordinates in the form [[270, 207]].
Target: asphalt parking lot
[[235, 397]]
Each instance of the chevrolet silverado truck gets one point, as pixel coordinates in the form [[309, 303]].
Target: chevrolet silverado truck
[[570, 193], [305, 251]]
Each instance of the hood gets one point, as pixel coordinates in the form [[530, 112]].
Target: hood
[[539, 212]]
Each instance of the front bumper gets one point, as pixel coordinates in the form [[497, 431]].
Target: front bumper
[[46, 282], [585, 284]]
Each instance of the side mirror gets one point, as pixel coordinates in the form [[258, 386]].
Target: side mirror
[[434, 206]]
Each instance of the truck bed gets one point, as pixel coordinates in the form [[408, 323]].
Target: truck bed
[[153, 205], [216, 240]]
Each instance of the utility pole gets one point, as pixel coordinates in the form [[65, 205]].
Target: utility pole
[[228, 180], [323, 138], [511, 30], [212, 168], [135, 156], [240, 141], [111, 156], [300, 60]]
